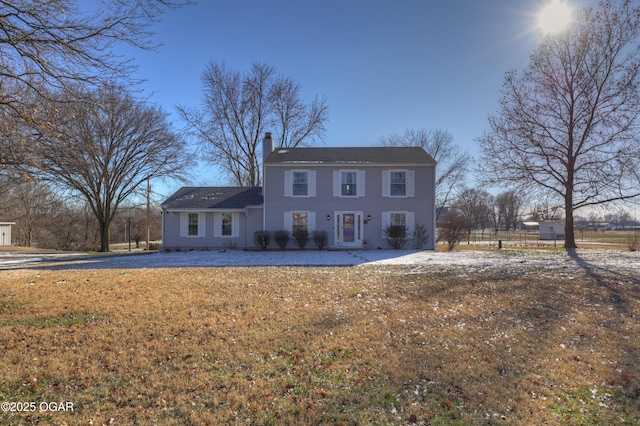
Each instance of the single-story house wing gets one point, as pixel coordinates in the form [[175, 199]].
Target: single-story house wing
[[209, 217]]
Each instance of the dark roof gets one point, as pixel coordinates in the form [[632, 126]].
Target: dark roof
[[214, 197], [356, 155], [5, 220]]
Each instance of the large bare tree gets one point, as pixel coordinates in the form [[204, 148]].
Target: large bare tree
[[452, 160], [106, 149], [568, 124], [238, 107], [49, 46]]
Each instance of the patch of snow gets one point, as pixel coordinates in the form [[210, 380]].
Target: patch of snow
[[610, 260]]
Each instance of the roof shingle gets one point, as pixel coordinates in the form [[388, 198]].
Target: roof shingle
[[353, 155], [213, 197]]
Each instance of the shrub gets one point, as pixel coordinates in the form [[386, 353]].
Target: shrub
[[301, 237], [634, 244], [396, 236], [321, 239], [453, 230], [420, 236], [261, 239], [282, 238]]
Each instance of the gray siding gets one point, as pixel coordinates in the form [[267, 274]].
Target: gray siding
[[325, 205], [245, 222]]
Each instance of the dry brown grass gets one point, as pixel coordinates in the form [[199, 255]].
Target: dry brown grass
[[357, 345]]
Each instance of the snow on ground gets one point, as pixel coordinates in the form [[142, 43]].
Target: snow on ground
[[611, 260]]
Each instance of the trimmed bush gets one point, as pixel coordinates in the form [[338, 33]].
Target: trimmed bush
[[261, 239], [282, 238], [396, 236], [301, 237], [321, 239]]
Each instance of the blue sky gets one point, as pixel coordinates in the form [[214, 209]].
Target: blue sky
[[384, 66]]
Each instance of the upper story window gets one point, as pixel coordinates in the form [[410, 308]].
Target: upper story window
[[193, 224], [299, 183], [398, 183], [349, 184]]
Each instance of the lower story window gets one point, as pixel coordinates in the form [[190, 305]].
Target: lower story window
[[227, 224], [193, 224], [398, 219], [300, 222]]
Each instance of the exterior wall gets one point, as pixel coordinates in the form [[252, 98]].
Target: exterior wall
[[552, 230], [209, 229], [327, 209], [5, 234]]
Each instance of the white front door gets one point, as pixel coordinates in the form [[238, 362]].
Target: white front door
[[348, 229]]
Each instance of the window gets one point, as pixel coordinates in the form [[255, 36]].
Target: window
[[349, 184], [398, 183], [300, 222], [300, 183], [193, 224], [227, 222], [398, 219]]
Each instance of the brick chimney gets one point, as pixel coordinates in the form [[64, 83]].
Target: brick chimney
[[267, 146]]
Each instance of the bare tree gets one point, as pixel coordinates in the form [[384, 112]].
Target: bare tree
[[474, 205], [54, 45], [237, 109], [569, 123], [452, 160], [453, 230], [105, 150], [509, 206]]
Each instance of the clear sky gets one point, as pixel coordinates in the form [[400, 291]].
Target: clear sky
[[384, 66]]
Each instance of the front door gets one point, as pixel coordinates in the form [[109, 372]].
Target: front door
[[349, 229]]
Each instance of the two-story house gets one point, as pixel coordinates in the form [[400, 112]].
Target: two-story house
[[353, 194]]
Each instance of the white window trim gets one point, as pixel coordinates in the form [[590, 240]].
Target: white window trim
[[288, 221], [184, 225], [311, 183], [409, 220], [235, 225], [410, 182], [337, 183]]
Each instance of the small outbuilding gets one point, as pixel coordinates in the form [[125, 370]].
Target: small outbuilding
[[551, 230], [5, 231]]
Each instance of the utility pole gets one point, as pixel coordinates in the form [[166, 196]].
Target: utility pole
[[148, 208]]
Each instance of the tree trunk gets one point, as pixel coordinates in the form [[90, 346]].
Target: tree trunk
[[569, 237], [104, 235]]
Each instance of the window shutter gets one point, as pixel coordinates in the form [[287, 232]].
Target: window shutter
[[411, 183], [386, 221], [288, 183], [337, 183], [235, 225], [311, 182], [360, 183], [184, 224], [201, 224], [386, 183], [217, 224], [288, 222], [311, 222], [410, 219]]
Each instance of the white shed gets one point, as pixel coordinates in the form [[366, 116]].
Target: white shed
[[551, 230], [5, 231]]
